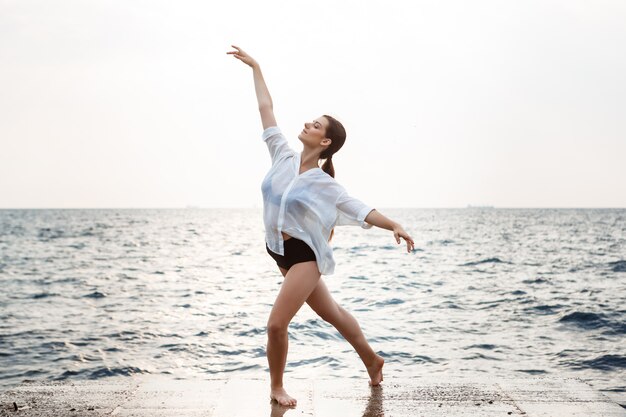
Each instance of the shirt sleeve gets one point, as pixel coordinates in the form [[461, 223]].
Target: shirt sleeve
[[351, 211], [276, 143]]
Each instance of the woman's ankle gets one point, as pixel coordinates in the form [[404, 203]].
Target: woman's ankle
[[372, 360]]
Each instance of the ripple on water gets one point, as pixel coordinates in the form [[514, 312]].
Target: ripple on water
[[389, 302], [477, 355], [545, 309], [44, 295], [486, 346], [535, 281], [45, 234], [319, 360], [396, 356], [607, 362], [618, 266], [532, 371], [584, 320], [102, 372], [252, 332], [95, 294], [590, 321], [486, 261]]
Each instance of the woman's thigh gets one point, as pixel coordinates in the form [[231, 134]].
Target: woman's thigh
[[322, 302], [299, 282]]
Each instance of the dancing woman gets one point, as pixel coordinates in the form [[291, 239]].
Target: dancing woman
[[302, 203]]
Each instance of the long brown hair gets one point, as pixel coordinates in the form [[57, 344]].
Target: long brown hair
[[337, 134]]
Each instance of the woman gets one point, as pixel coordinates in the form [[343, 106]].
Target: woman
[[302, 204]]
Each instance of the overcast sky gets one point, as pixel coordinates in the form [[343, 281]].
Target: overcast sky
[[107, 103]]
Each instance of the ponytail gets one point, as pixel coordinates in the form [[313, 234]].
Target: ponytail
[[328, 167]]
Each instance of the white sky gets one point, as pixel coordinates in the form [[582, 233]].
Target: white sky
[[111, 103]]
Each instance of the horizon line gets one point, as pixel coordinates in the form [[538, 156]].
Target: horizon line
[[468, 207]]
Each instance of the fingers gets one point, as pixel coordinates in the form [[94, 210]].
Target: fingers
[[238, 51], [410, 244]]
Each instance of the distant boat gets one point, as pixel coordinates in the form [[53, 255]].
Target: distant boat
[[470, 206]]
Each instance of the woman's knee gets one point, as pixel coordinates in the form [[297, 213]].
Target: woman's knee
[[276, 328]]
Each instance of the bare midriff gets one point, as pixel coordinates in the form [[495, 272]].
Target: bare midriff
[[286, 236]]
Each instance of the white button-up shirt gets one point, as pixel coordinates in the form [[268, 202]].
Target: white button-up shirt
[[306, 206]]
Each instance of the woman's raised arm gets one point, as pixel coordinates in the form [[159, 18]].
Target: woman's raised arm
[[266, 107]]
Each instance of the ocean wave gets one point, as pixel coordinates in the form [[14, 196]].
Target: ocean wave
[[236, 368], [47, 233], [397, 356], [391, 301], [607, 362], [618, 266], [535, 281], [41, 295], [477, 355], [315, 360], [486, 261], [584, 319], [591, 321], [95, 294], [546, 309], [102, 372], [486, 346], [532, 371]]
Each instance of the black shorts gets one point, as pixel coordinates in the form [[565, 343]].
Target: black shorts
[[296, 251]]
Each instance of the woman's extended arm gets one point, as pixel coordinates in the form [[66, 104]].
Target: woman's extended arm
[[377, 219], [266, 107]]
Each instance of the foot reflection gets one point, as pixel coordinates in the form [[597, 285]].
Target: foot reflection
[[374, 406], [279, 410]]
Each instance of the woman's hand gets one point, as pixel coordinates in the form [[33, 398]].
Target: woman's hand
[[243, 57], [264, 100], [398, 232]]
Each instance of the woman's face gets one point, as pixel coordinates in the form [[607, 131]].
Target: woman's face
[[314, 132]]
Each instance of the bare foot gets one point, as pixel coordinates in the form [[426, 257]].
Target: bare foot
[[375, 370], [282, 398]]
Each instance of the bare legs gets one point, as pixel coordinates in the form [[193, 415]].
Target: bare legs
[[327, 308], [299, 282], [303, 284]]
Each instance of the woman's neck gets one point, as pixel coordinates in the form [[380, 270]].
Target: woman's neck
[[308, 160]]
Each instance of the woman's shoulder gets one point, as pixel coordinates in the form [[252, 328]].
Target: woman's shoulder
[[329, 183], [325, 177]]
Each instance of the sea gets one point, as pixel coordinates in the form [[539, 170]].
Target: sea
[[97, 293]]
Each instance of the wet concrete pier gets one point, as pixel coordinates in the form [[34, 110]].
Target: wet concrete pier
[[155, 396]]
